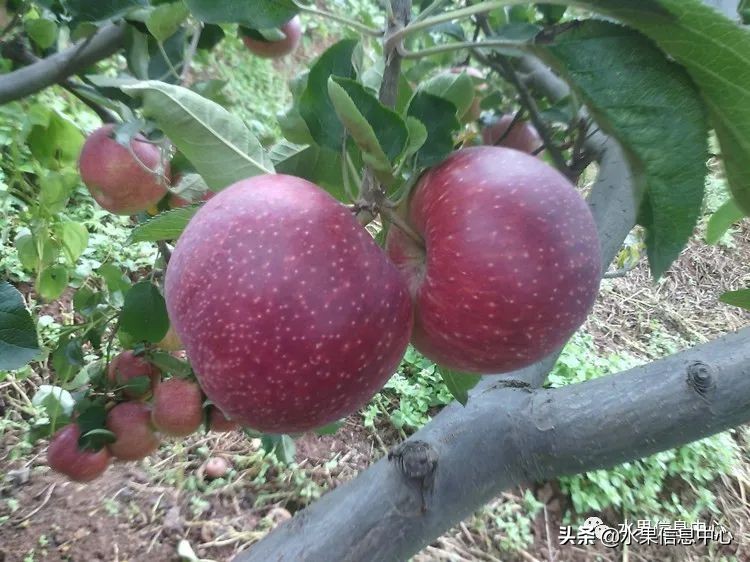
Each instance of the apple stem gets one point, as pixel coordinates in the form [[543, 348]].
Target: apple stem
[[396, 220], [366, 29]]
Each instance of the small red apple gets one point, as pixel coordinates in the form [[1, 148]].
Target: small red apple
[[134, 435], [511, 262], [126, 366], [218, 422], [66, 457], [215, 467], [274, 49], [522, 136], [290, 313], [177, 407], [116, 180]]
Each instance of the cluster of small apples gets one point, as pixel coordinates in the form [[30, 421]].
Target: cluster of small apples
[[138, 419]]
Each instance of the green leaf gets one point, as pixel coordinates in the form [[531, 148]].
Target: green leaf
[[56, 139], [168, 363], [217, 143], [329, 429], [74, 238], [456, 88], [551, 13], [322, 166], [417, 136], [315, 105], [714, 50], [67, 358], [165, 226], [439, 118], [739, 298], [137, 385], [165, 20], [257, 14], [647, 102], [724, 217], [95, 439], [27, 252], [281, 446], [86, 10], [144, 314], [51, 282], [18, 339], [43, 32], [458, 383], [114, 278]]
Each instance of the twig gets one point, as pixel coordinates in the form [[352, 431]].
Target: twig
[[165, 252], [516, 118], [366, 29], [47, 495], [190, 54], [458, 45]]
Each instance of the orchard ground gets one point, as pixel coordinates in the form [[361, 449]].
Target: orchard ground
[[141, 511]]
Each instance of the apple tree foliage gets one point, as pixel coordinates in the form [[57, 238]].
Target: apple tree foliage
[[370, 114]]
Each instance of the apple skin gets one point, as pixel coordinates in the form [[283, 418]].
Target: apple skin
[[215, 467], [126, 366], [275, 49], [512, 261], [177, 408], [218, 422], [66, 457], [290, 313], [523, 136], [114, 178], [131, 424]]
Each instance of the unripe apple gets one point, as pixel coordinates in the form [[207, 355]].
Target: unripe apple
[[116, 180], [177, 407], [290, 313], [275, 49], [170, 341], [215, 467], [511, 262], [126, 366], [66, 457], [134, 435], [218, 422], [522, 136]]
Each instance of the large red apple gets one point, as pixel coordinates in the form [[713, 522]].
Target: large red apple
[[65, 456], [116, 180], [510, 266], [274, 49], [522, 136], [290, 313]]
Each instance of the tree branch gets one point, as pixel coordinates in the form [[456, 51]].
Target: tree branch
[[517, 436], [56, 68]]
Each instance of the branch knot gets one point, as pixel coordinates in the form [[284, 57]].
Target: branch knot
[[701, 377]]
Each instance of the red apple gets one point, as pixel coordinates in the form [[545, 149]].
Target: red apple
[[126, 366], [274, 49], [218, 422], [522, 136], [65, 456], [215, 467], [511, 265], [290, 313], [115, 178], [134, 434], [177, 407]]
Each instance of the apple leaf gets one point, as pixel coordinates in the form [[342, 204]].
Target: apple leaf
[[724, 217], [315, 105], [85, 10], [459, 384], [168, 363], [714, 50], [456, 88], [18, 340], [165, 20], [144, 314], [95, 439], [739, 298], [317, 164], [165, 226], [257, 14], [438, 115], [67, 358], [74, 238], [51, 282], [647, 102], [217, 143], [281, 446], [55, 400], [42, 31]]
